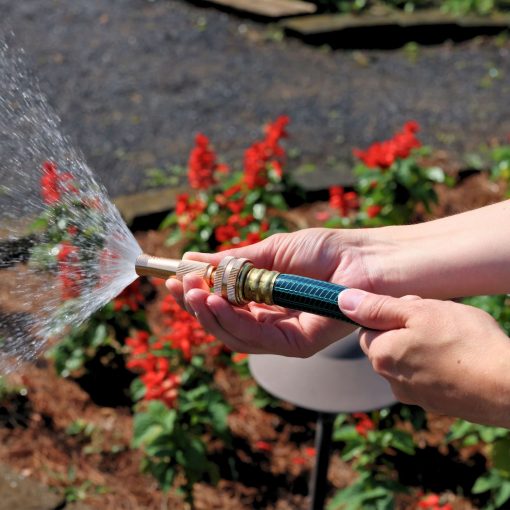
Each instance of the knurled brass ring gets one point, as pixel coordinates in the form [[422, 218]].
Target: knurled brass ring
[[220, 281], [233, 284]]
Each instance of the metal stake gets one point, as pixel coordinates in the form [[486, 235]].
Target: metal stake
[[319, 480]]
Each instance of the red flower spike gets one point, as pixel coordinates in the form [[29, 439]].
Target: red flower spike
[[373, 210], [55, 184], [130, 298], [202, 164], [69, 271], [364, 425], [384, 154], [265, 154]]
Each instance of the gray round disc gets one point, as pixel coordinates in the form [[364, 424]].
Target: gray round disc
[[337, 379]]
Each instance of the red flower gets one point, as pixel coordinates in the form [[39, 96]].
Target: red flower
[[342, 202], [433, 502], [55, 184], [383, 154], [225, 233], [202, 164], [298, 461], [364, 425], [310, 452], [236, 206], [69, 271], [239, 357], [49, 183], [130, 298], [373, 210], [265, 154], [188, 210], [264, 446], [184, 331], [159, 382]]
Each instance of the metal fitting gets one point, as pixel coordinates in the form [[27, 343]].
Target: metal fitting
[[159, 267]]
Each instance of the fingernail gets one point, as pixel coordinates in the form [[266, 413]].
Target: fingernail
[[350, 299]]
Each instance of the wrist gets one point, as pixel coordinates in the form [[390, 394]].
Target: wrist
[[398, 261]]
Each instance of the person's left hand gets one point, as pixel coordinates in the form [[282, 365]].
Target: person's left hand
[[446, 357]]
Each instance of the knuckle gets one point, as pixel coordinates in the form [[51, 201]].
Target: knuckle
[[382, 362], [376, 310]]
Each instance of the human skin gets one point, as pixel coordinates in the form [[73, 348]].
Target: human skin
[[444, 356]]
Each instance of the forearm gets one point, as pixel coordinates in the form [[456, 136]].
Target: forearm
[[462, 255]]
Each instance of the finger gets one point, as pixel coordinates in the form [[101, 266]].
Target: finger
[[372, 310], [386, 351], [410, 297], [189, 282], [175, 288], [198, 301]]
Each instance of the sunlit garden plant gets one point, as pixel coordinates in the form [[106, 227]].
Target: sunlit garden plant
[[232, 208], [392, 182], [71, 232]]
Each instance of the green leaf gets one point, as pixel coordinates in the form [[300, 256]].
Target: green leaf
[[345, 433], [502, 494], [174, 237], [169, 221], [485, 483], [402, 441], [100, 335], [39, 224], [219, 414], [435, 174], [500, 455], [148, 435]]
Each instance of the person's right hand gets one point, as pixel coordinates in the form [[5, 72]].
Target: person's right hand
[[331, 255]]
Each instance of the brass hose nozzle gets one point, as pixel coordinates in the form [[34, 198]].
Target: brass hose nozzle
[[235, 278], [159, 267]]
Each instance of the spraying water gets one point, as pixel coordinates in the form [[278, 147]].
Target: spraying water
[[64, 249]]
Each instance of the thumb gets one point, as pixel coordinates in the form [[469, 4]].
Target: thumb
[[373, 311]]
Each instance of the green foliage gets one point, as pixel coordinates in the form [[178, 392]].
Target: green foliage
[[462, 7], [370, 451], [455, 7], [104, 332], [496, 481], [173, 439], [75, 222], [9, 390], [500, 170], [74, 491], [158, 177], [94, 439]]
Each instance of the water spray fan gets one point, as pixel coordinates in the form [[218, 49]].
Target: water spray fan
[[238, 281]]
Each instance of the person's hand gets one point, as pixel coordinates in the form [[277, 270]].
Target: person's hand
[[443, 356], [331, 255]]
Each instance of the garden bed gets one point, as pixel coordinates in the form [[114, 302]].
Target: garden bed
[[54, 432], [142, 386]]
